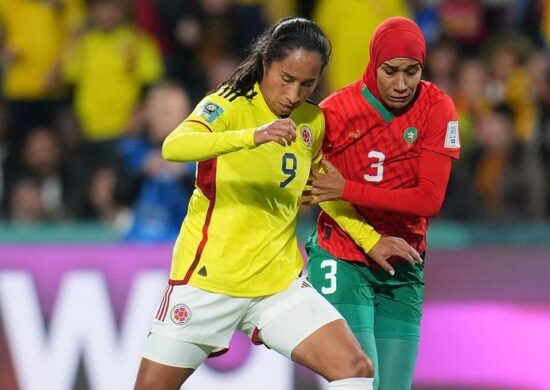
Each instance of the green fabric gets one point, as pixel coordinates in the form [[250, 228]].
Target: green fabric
[[396, 362], [368, 345], [379, 107], [383, 312]]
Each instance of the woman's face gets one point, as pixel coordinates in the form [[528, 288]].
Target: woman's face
[[287, 83], [397, 80]]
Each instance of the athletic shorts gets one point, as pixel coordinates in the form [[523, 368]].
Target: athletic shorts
[[397, 300], [280, 321]]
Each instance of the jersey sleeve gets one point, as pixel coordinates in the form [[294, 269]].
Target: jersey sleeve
[[345, 215], [209, 131], [442, 133], [423, 200]]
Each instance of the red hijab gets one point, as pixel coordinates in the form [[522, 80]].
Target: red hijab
[[395, 37]]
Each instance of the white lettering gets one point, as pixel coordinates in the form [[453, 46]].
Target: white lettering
[[82, 324]]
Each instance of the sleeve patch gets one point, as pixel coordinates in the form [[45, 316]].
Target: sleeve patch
[[452, 137], [210, 111]]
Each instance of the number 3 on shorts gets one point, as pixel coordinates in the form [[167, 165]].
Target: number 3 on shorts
[[330, 275]]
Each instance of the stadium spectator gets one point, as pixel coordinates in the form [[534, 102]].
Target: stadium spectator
[[361, 18], [201, 32], [164, 187], [394, 138], [26, 203], [105, 198], [33, 37], [251, 173], [109, 66], [507, 174], [42, 162]]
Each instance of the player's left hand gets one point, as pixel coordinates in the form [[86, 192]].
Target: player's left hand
[[327, 184]]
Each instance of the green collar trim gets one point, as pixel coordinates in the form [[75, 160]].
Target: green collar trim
[[379, 107]]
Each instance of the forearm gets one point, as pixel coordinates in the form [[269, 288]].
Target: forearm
[[423, 200], [186, 144], [345, 215]]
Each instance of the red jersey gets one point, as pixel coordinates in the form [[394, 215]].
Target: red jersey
[[370, 145]]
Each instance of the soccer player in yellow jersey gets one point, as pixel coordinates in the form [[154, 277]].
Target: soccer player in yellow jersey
[[236, 263]]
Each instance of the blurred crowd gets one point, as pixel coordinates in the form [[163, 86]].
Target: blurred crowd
[[90, 88]]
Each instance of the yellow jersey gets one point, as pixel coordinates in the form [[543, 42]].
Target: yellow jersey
[[238, 237], [109, 70]]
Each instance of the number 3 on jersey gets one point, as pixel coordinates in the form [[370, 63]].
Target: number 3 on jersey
[[330, 275], [378, 166], [290, 165]]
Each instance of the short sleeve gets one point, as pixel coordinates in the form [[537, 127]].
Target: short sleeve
[[441, 134]]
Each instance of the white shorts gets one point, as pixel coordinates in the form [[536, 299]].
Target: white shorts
[[208, 321]]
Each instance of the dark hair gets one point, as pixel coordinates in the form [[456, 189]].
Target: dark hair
[[275, 44]]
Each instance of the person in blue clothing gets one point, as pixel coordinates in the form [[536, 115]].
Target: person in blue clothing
[[165, 187]]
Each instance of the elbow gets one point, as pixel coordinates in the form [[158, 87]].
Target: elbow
[[173, 152], [431, 212], [167, 153], [432, 209]]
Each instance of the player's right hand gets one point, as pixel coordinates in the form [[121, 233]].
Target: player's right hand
[[389, 246], [282, 131]]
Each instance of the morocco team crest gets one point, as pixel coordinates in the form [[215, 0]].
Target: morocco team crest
[[180, 314], [307, 136], [410, 135]]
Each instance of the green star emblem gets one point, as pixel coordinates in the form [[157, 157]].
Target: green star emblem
[[410, 135]]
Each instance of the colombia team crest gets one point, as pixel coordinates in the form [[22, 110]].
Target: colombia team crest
[[180, 314], [307, 136]]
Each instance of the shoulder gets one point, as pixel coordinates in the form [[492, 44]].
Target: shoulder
[[308, 111], [224, 101], [432, 94], [341, 96]]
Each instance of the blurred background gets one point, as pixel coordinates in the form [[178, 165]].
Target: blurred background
[[89, 210]]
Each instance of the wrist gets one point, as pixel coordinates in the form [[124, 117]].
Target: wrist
[[348, 191]]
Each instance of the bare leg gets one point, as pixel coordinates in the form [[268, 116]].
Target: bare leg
[[153, 375], [333, 352]]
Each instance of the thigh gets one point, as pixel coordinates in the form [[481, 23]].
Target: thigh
[[193, 316], [339, 281], [300, 324], [399, 302], [168, 362], [281, 321]]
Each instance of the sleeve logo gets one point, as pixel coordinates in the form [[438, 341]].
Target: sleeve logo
[[452, 137], [210, 111]]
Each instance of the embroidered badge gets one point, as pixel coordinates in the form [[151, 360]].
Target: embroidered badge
[[410, 135], [180, 314], [307, 136], [354, 134], [210, 111], [452, 137]]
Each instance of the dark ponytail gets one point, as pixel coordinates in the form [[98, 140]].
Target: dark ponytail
[[275, 44]]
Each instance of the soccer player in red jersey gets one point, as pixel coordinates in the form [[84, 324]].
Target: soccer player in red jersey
[[390, 140]]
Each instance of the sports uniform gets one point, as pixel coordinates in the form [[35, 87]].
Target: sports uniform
[[236, 262], [387, 160]]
